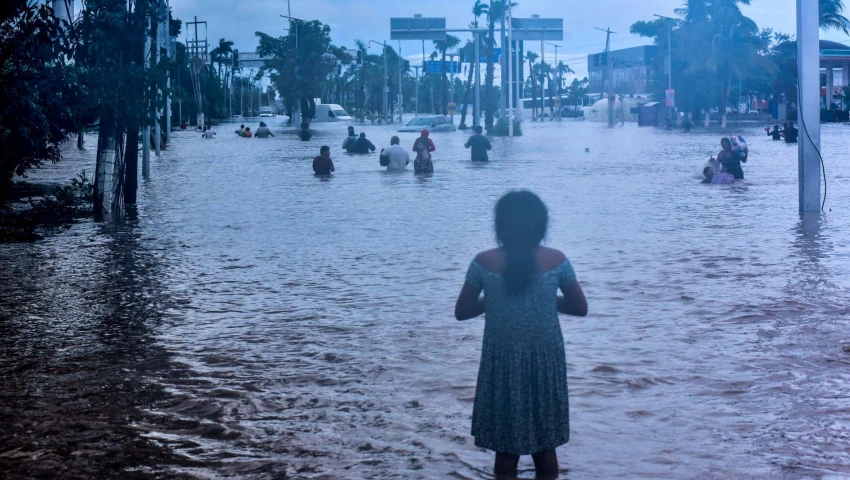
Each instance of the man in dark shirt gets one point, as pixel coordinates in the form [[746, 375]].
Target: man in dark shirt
[[323, 165], [362, 145], [775, 133], [479, 144], [790, 133]]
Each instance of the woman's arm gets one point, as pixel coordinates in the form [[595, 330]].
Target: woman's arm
[[469, 304], [573, 301]]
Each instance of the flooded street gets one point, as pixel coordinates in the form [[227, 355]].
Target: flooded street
[[254, 321]]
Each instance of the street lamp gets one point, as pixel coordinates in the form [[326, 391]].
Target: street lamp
[[295, 20], [560, 80], [386, 78], [669, 58]]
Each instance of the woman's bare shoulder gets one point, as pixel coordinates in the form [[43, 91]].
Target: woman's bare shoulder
[[492, 259], [549, 258]]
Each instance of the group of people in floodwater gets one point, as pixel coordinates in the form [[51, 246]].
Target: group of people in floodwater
[[788, 132], [397, 158]]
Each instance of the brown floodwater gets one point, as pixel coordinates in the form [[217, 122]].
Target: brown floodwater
[[250, 320]]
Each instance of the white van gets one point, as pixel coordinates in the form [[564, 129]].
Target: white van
[[331, 112]]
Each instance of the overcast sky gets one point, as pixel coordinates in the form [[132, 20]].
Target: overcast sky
[[237, 20]]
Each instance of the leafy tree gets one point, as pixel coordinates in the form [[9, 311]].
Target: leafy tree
[[301, 66], [38, 93], [480, 8], [831, 16], [532, 57], [443, 47]]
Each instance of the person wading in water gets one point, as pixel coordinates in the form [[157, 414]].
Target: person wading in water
[[521, 400]]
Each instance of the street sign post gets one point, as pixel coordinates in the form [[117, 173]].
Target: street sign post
[[420, 28]]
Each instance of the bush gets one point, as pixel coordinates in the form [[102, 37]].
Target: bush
[[501, 127]]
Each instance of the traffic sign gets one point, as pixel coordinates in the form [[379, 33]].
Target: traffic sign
[[417, 28], [497, 52], [537, 29], [437, 67]]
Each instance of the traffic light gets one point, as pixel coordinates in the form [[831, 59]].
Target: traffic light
[[359, 57]]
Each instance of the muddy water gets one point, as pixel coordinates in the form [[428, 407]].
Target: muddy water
[[253, 320]]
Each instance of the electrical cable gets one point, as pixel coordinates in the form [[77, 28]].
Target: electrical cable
[[806, 130]]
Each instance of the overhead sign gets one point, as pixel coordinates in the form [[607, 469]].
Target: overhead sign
[[537, 29], [437, 67], [497, 52], [418, 28]]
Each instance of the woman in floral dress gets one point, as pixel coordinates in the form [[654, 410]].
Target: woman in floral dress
[[521, 401]]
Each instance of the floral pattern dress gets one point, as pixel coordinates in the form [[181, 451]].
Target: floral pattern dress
[[521, 400], [423, 164]]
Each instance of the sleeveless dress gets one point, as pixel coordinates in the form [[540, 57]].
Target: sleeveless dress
[[521, 400]]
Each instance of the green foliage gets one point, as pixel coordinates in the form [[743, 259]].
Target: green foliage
[[37, 94], [79, 194], [501, 127], [301, 66]]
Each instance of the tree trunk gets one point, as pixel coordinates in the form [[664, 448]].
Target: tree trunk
[[80, 138], [707, 119], [468, 89], [105, 162], [131, 162], [724, 100]]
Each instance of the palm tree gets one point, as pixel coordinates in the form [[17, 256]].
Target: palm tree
[[361, 92], [734, 47], [221, 53], [831, 16], [531, 57], [480, 8], [443, 47]]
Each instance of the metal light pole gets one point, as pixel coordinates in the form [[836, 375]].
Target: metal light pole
[[510, 73], [808, 106], [557, 90], [669, 57], [400, 93], [295, 21], [416, 112], [386, 77], [476, 119]]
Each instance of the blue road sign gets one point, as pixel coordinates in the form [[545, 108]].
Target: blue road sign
[[437, 67], [497, 52]]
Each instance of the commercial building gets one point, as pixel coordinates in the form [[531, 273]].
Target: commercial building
[[630, 69]]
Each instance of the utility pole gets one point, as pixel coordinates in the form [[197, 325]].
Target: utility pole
[[416, 68], [669, 59], [400, 92], [386, 77], [610, 75], [146, 131], [510, 72], [558, 87], [452, 80], [476, 119], [808, 91]]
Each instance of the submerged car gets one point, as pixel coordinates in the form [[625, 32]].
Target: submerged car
[[434, 123]]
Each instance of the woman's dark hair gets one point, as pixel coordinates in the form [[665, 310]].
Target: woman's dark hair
[[725, 139], [521, 221]]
